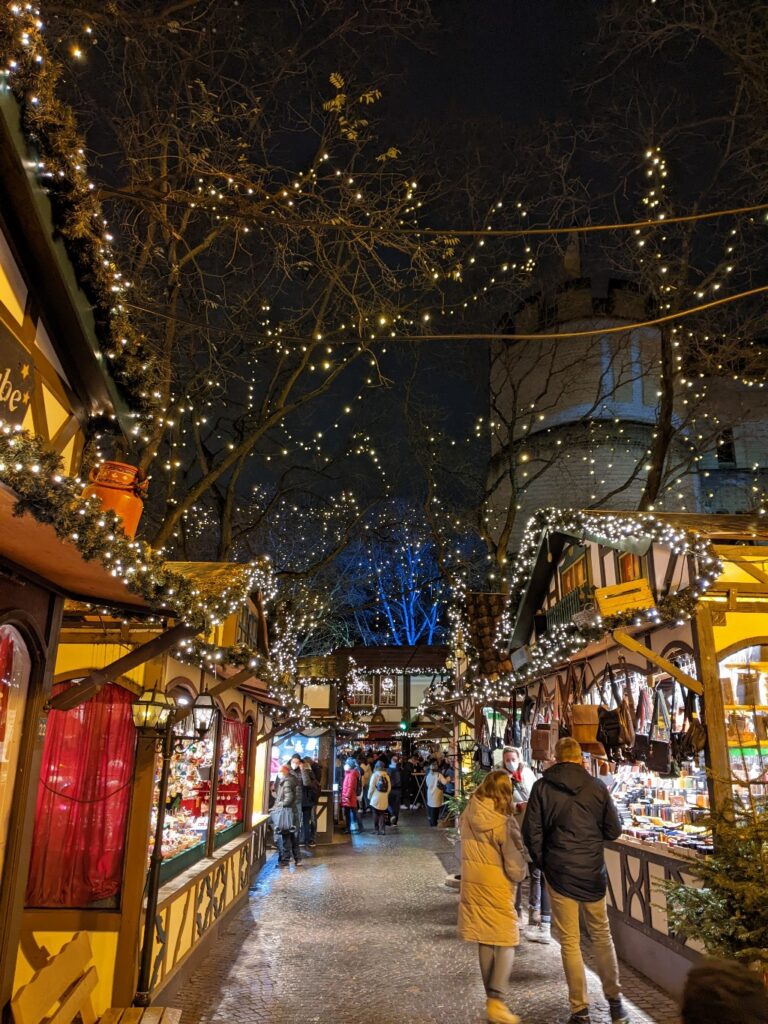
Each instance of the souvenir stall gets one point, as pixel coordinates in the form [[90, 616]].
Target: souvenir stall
[[644, 637]]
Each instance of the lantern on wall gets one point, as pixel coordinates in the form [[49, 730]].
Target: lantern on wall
[[152, 711], [203, 710]]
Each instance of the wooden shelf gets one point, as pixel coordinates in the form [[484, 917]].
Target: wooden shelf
[[745, 707]]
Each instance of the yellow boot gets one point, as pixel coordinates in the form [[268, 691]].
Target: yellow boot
[[497, 1013]]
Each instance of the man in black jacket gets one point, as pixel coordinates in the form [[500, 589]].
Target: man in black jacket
[[569, 817]]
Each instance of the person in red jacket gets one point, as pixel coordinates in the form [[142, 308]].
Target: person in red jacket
[[349, 791]]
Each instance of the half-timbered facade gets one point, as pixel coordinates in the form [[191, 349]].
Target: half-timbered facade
[[670, 604]]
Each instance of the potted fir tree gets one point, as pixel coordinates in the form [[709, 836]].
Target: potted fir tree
[[728, 913]]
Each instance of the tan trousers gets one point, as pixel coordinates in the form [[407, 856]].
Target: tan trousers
[[565, 918]]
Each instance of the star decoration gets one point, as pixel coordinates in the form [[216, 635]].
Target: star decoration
[[25, 371]]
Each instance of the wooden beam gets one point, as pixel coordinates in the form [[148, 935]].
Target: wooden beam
[[721, 585], [751, 570], [718, 762], [108, 636], [674, 558], [631, 644], [232, 682], [751, 607], [94, 680]]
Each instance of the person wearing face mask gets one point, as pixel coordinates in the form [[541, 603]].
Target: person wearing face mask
[[522, 778]]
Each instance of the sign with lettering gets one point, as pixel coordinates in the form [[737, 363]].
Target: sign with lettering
[[16, 378]]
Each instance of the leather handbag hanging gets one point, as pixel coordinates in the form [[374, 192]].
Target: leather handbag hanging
[[660, 754], [616, 731], [627, 710], [585, 718], [545, 734], [693, 738], [482, 756]]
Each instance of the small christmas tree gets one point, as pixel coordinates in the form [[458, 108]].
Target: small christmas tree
[[728, 913]]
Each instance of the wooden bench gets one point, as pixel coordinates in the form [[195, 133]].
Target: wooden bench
[[63, 988]]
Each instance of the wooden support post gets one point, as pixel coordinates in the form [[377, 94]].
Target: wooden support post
[[631, 644], [718, 761], [210, 844]]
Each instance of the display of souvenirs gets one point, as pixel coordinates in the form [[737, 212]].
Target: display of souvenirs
[[658, 809], [188, 804], [231, 788]]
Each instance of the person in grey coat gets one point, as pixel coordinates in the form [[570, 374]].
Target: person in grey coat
[[288, 794]]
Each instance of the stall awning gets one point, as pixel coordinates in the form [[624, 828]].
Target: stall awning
[[35, 548]]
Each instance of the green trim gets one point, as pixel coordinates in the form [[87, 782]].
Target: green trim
[[222, 838], [175, 865]]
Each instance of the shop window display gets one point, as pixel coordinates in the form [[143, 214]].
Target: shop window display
[[661, 806], [744, 680], [15, 667], [188, 806], [230, 794]]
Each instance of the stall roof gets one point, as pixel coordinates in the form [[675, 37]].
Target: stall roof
[[422, 658], [723, 529], [26, 209], [35, 547]]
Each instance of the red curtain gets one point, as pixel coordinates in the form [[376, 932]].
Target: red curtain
[[83, 800]]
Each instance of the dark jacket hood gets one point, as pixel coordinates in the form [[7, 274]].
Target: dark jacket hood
[[567, 776]]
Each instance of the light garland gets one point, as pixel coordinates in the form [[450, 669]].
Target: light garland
[[564, 640], [35, 474], [27, 67]]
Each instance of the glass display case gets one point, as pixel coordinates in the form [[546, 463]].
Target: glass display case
[[664, 809]]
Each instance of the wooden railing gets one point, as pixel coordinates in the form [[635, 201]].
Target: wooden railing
[[574, 601], [191, 904]]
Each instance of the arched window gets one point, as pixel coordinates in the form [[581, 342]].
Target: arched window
[[15, 668]]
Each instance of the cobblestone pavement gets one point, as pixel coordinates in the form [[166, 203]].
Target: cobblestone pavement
[[366, 932]]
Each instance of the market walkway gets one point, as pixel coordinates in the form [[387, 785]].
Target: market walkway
[[365, 934]]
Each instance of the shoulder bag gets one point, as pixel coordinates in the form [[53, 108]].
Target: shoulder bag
[[585, 718], [660, 753], [545, 734]]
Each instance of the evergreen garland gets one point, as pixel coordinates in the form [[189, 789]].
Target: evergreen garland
[[36, 477]]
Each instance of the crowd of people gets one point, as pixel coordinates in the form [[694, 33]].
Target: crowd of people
[[376, 782], [553, 829], [550, 829], [383, 782]]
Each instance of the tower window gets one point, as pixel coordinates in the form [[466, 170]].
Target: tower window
[[726, 449]]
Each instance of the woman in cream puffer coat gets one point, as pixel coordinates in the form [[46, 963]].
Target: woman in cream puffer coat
[[493, 863]]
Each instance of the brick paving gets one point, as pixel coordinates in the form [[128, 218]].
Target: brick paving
[[365, 933]]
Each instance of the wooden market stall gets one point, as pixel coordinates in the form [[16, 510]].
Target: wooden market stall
[[666, 617], [89, 623]]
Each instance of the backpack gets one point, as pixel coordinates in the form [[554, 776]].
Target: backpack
[[382, 784]]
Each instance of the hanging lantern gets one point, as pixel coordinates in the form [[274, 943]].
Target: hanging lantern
[[203, 710], [152, 710]]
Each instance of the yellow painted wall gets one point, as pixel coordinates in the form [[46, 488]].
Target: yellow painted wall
[[180, 900], [260, 779], [740, 628], [13, 291], [71, 657], [103, 945]]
